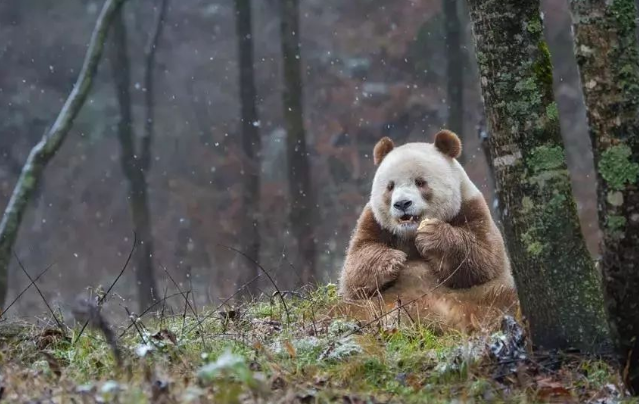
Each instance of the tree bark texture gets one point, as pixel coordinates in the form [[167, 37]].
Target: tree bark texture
[[132, 167], [302, 207], [251, 144], [608, 58], [51, 141], [558, 286], [455, 69]]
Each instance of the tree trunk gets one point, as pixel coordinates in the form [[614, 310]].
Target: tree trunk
[[454, 70], [132, 168], [47, 147], [558, 286], [299, 177], [251, 145], [608, 57], [149, 94]]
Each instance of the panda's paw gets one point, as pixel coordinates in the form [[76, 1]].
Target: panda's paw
[[428, 225], [394, 264], [429, 234]]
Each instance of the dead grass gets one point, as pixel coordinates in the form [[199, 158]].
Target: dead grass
[[258, 353]]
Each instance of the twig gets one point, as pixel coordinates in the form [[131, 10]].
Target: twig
[[166, 288], [103, 298], [199, 323], [288, 319], [128, 259], [134, 323], [187, 303], [193, 296], [44, 299], [148, 309], [294, 270], [90, 312], [26, 289]]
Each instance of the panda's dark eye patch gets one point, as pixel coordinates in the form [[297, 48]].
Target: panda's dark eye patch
[[420, 182], [390, 186]]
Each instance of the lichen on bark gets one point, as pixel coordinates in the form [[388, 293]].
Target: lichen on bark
[[558, 285], [608, 57]]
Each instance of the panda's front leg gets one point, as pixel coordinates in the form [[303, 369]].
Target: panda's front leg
[[458, 259], [432, 236], [370, 268], [437, 242]]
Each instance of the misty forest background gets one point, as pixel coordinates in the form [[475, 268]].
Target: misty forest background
[[370, 68]]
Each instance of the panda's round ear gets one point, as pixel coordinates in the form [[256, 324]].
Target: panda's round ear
[[448, 143], [382, 148]]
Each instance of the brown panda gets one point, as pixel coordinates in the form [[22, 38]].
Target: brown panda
[[427, 238]]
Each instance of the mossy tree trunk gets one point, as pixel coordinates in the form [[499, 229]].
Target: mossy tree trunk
[[608, 57], [558, 285], [132, 160], [251, 144], [51, 142], [302, 208]]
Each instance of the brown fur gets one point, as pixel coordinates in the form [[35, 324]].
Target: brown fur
[[440, 311], [453, 271], [451, 275], [468, 251], [448, 143], [382, 148], [371, 261]]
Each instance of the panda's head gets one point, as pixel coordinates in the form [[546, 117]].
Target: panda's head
[[417, 181]]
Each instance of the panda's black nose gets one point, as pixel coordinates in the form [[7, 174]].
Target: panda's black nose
[[403, 204]]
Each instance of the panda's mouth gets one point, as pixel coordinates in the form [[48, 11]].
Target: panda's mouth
[[408, 219]]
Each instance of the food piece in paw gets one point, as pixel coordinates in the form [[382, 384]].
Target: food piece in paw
[[423, 223]]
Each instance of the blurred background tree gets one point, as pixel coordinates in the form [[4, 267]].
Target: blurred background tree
[[251, 145], [365, 69]]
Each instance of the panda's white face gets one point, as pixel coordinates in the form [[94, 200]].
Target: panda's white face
[[413, 182]]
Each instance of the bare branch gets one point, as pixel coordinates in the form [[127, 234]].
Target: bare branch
[[26, 289], [44, 299], [103, 298], [187, 304], [148, 309], [267, 275], [51, 141]]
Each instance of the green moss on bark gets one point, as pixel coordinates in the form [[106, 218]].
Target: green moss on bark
[[616, 168], [558, 286], [547, 158], [608, 57]]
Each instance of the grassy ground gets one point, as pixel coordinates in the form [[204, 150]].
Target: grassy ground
[[259, 353]]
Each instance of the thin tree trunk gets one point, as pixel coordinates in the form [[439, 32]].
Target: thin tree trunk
[[299, 176], [47, 147], [608, 57], [557, 283], [149, 94], [132, 168], [251, 144], [455, 69]]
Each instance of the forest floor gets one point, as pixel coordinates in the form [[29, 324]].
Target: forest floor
[[259, 353]]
